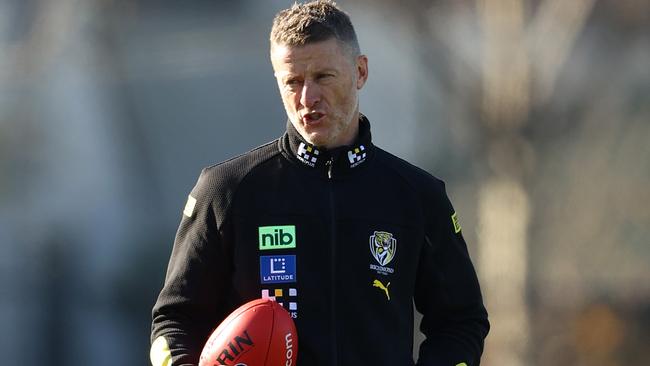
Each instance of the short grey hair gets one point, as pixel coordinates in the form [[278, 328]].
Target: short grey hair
[[313, 22]]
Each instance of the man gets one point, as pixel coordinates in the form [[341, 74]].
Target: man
[[343, 234]]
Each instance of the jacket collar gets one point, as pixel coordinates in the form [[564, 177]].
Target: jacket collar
[[334, 162]]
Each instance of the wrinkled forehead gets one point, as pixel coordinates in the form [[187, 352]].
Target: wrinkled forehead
[[330, 46], [318, 55]]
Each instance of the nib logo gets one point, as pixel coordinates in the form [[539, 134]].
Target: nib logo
[[277, 237]]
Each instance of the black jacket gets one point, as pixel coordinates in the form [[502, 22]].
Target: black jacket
[[354, 236]]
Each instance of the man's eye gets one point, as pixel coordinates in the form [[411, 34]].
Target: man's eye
[[292, 82], [325, 76]]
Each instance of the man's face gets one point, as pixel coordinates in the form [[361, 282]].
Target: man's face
[[319, 84]]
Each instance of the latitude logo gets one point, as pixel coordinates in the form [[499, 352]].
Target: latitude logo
[[277, 269], [277, 237]]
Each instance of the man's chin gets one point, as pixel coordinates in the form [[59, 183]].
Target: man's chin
[[316, 138], [319, 141]]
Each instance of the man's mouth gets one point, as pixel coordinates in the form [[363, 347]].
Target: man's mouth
[[312, 118]]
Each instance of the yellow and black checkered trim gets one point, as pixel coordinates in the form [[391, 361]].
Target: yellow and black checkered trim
[[308, 154], [357, 155]]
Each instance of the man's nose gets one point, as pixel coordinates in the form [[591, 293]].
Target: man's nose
[[310, 94]]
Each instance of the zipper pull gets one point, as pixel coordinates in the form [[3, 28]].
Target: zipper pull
[[329, 164]]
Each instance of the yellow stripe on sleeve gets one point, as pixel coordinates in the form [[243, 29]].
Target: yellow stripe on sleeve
[[160, 354]]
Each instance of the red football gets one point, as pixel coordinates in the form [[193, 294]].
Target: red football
[[258, 333]]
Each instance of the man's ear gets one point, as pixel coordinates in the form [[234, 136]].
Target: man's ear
[[362, 70]]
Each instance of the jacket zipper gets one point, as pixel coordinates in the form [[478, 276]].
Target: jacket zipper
[[330, 164]]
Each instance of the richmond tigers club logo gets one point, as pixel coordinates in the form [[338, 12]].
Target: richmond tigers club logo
[[383, 247]]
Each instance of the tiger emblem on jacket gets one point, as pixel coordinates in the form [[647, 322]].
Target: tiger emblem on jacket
[[383, 247]]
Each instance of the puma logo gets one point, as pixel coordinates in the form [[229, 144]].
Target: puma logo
[[377, 283]]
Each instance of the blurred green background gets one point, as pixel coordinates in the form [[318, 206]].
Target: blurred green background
[[536, 113]]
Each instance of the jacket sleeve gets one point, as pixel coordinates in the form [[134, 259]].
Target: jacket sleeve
[[455, 321], [191, 300]]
